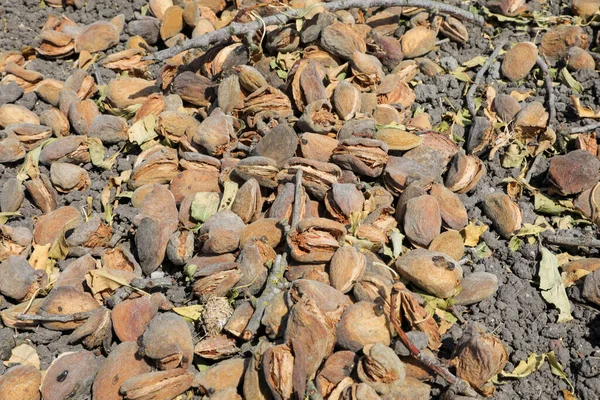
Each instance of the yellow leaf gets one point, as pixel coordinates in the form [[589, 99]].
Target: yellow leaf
[[59, 248], [569, 278], [39, 258], [24, 354], [526, 367], [568, 395], [4, 216], [107, 279], [471, 234], [583, 112], [193, 313], [521, 96]]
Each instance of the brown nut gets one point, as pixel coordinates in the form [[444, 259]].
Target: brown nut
[[504, 213]]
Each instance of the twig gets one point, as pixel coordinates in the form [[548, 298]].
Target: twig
[[245, 29], [559, 240], [534, 164], [432, 363], [479, 76], [272, 288], [551, 97], [297, 201], [56, 317], [584, 129], [141, 283]]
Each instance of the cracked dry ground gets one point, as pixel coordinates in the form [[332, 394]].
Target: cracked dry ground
[[152, 209]]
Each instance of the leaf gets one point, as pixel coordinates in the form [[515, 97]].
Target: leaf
[[514, 156], [189, 270], [96, 149], [515, 243], [583, 112], [525, 368], [143, 130], [546, 205], [144, 10], [230, 189], [460, 74], [521, 95], [553, 290], [4, 216], [476, 61], [101, 279], [32, 159], [24, 354], [529, 229], [396, 237], [571, 82], [204, 205], [471, 234], [192, 313], [568, 395], [569, 278], [503, 18], [557, 369], [60, 249], [482, 250]]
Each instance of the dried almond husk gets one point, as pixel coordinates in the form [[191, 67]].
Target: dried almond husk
[[18, 280], [21, 382], [519, 61], [454, 29], [99, 36], [42, 192], [56, 121], [479, 357], [216, 347], [11, 114], [360, 326], [157, 385], [342, 40], [168, 341], [66, 300], [14, 241], [343, 200], [122, 363], [158, 164], [400, 172], [434, 272], [126, 91], [464, 172], [277, 367], [317, 176], [71, 374], [68, 177], [346, 267], [422, 220], [72, 149], [417, 42], [221, 376], [556, 42], [504, 213], [381, 368], [316, 240]]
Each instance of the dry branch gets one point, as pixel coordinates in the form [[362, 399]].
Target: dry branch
[[551, 97], [246, 29], [479, 77]]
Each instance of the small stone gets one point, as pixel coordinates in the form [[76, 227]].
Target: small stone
[[12, 196], [10, 93], [419, 339]]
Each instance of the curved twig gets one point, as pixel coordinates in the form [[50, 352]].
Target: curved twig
[[584, 129], [479, 76], [244, 29], [551, 97]]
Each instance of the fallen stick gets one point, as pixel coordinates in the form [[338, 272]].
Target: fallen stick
[[245, 29], [56, 317], [486, 65], [272, 288], [297, 201], [431, 363], [549, 89], [559, 240], [584, 129]]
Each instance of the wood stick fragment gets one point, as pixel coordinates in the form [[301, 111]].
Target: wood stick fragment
[[431, 363], [245, 29], [272, 288], [560, 240], [297, 201], [549, 89], [56, 317], [486, 65], [584, 129]]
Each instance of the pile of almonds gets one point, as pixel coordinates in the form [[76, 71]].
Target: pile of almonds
[[287, 179]]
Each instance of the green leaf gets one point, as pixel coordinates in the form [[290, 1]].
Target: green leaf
[[143, 130], [545, 205], [144, 9], [282, 74], [557, 369], [551, 285], [4, 216], [514, 155], [526, 367], [189, 270], [32, 159], [571, 82], [192, 313], [515, 243], [205, 205], [482, 250], [476, 61]]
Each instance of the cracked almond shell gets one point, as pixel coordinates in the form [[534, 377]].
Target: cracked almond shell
[[157, 385], [168, 341]]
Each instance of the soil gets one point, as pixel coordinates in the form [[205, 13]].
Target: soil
[[517, 314]]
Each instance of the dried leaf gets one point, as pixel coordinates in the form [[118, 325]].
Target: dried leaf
[[583, 112], [557, 369], [143, 130], [192, 313], [482, 250], [471, 234], [102, 279], [526, 367], [530, 229], [24, 354], [521, 96], [4, 216], [515, 243], [545, 205], [97, 154], [553, 290], [229, 192], [60, 249], [476, 61]]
